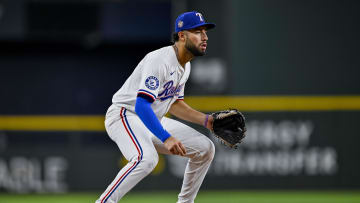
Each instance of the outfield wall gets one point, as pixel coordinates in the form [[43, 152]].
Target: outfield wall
[[284, 149]]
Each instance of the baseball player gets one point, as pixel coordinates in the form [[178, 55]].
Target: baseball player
[[136, 122]]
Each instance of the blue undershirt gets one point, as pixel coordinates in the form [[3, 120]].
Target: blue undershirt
[[144, 111]]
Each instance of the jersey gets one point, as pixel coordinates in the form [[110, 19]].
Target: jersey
[[158, 76]]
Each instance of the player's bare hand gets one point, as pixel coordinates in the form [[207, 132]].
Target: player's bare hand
[[175, 146]]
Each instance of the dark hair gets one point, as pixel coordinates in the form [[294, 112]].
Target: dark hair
[[175, 37]]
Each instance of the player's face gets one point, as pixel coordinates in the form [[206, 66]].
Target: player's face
[[196, 41]]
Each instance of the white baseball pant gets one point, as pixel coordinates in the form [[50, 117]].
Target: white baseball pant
[[140, 147]]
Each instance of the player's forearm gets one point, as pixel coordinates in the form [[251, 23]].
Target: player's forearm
[[148, 117], [183, 111]]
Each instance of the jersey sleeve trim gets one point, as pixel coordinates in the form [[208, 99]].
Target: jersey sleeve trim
[[142, 91], [145, 96], [180, 98]]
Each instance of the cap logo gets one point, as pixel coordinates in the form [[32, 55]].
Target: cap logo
[[180, 24], [200, 16]]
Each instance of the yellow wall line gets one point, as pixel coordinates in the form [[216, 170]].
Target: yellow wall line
[[52, 123], [276, 103], [205, 104]]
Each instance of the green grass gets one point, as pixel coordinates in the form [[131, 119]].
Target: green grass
[[203, 197]]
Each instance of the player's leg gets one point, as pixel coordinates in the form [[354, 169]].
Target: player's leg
[[199, 149], [134, 141]]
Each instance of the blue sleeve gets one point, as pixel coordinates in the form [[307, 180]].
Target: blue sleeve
[[144, 111]]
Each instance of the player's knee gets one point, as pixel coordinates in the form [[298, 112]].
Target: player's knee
[[211, 150], [149, 161], [208, 151]]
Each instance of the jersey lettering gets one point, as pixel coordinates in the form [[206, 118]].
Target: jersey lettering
[[169, 91]]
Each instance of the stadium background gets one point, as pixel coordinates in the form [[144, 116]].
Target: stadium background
[[291, 66]]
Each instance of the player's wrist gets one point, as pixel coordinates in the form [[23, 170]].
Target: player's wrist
[[205, 124], [165, 136], [208, 121]]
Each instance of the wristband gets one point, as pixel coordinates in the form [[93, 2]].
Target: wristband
[[206, 120]]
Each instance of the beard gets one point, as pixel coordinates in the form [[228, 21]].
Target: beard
[[193, 49]]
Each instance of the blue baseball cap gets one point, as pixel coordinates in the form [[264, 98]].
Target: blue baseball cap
[[190, 20]]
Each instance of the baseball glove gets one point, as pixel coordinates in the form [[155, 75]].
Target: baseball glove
[[229, 127]]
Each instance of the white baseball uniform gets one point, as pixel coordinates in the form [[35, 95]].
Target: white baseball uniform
[[159, 76]]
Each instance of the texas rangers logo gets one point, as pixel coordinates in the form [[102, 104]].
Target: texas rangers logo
[[152, 83], [200, 16], [169, 91]]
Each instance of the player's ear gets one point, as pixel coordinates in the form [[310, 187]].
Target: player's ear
[[181, 35]]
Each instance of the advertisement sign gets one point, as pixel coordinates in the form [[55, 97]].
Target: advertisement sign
[[299, 150]]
